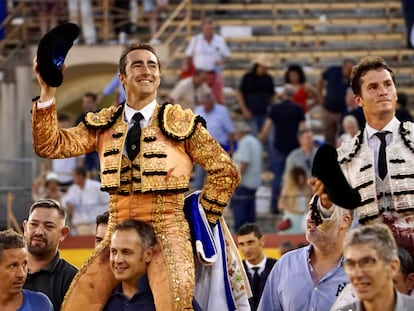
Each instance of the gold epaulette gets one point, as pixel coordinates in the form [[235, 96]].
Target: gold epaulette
[[102, 119], [177, 123]]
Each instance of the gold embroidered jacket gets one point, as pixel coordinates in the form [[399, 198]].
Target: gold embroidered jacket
[[170, 144]]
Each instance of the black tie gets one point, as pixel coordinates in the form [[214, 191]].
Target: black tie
[[133, 137], [256, 287], [382, 157]]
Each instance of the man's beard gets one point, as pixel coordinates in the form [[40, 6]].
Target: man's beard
[[39, 251]]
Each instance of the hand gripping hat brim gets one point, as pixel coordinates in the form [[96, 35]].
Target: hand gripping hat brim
[[326, 168], [52, 51]]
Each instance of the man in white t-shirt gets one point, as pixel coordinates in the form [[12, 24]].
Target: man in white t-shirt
[[209, 52], [187, 92], [84, 201]]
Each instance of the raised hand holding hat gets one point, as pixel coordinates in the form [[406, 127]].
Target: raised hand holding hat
[[52, 51]]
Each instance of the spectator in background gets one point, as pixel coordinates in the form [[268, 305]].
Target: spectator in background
[[89, 104], [408, 12], [257, 92], [132, 246], [350, 129], [287, 118], [188, 91], [304, 154], [162, 8], [404, 280], [13, 273], [49, 12], [64, 166], [209, 52], [221, 128], [248, 158], [52, 189], [305, 92], [371, 263], [286, 246], [114, 85], [43, 231], [402, 113], [86, 22], [251, 243], [353, 108], [311, 277], [101, 227], [84, 201], [293, 200], [90, 160], [123, 29], [335, 81]]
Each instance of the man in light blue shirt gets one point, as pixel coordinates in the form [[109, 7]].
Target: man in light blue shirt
[[248, 158], [13, 273], [219, 125], [312, 277], [114, 85]]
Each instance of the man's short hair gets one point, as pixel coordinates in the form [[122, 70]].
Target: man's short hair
[[144, 230], [366, 64], [10, 239], [406, 260], [49, 203], [133, 47], [79, 171], [250, 228], [91, 95], [102, 219], [377, 236]]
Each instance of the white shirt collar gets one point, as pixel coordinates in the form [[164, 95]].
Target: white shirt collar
[[261, 265], [389, 127], [147, 111]]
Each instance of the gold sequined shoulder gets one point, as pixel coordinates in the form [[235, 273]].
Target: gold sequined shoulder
[[177, 123], [102, 119]]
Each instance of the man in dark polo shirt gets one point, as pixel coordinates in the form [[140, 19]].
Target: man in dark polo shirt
[[131, 250], [43, 231]]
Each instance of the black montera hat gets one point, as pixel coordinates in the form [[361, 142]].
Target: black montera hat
[[52, 50], [326, 168]]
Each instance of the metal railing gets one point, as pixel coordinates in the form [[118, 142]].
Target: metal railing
[[22, 26]]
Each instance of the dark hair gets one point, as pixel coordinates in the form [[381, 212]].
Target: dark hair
[[296, 172], [298, 69], [80, 171], [102, 219], [304, 131], [10, 239], [402, 99], [366, 64], [63, 117], [250, 228], [144, 230], [133, 47], [91, 95], [49, 203], [406, 260]]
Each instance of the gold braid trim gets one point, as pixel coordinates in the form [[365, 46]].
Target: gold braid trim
[[101, 250], [177, 123], [104, 118]]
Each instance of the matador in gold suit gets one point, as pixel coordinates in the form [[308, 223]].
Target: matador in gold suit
[[149, 186]]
